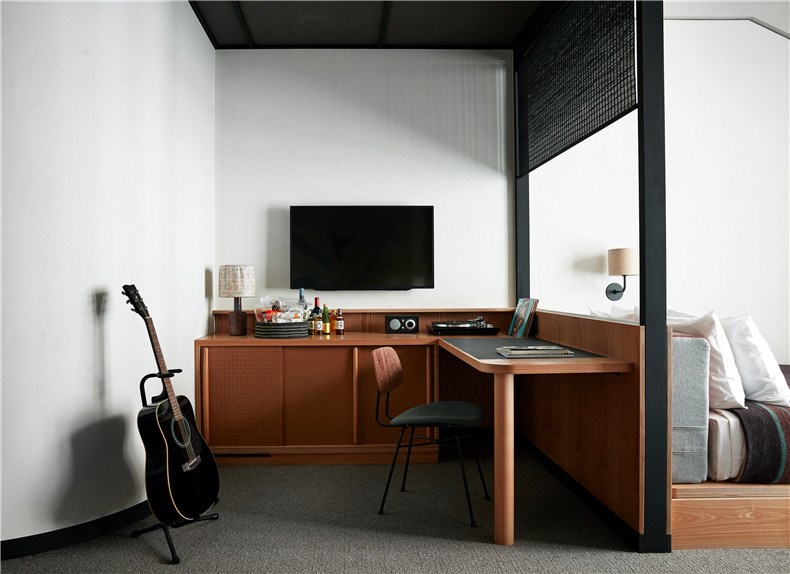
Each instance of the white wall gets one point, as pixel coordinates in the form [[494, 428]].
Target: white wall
[[369, 127], [728, 195], [108, 178]]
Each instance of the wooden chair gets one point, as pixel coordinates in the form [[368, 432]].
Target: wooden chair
[[455, 416]]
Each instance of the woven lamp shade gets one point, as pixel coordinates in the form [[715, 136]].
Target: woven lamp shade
[[624, 261], [236, 281]]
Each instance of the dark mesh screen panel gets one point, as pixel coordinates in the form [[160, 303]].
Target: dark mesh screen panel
[[578, 77]]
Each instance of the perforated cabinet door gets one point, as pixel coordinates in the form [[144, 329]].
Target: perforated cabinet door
[[245, 396]]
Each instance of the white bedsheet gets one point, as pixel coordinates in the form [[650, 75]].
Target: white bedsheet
[[726, 445]]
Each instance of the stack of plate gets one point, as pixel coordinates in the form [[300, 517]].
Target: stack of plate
[[281, 330]]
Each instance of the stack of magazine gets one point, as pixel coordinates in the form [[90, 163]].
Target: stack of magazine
[[534, 351]]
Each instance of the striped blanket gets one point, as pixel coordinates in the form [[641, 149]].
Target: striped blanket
[[767, 432]]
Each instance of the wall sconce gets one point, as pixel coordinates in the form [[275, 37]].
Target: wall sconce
[[237, 281], [623, 261]]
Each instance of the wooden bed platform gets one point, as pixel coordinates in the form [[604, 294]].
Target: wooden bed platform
[[730, 515]]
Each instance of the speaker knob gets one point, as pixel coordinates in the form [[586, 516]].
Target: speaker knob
[[395, 324], [410, 324]]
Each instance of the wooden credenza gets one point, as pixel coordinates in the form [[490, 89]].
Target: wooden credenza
[[311, 400], [307, 400]]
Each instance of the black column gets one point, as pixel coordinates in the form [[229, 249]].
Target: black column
[[653, 272]]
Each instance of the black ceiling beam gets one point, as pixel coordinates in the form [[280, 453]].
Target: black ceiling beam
[[243, 22], [203, 23], [385, 19]]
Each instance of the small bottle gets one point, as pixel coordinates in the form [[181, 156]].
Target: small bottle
[[327, 328], [340, 323]]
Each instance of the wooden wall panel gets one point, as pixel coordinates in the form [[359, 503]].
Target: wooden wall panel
[[591, 425], [318, 396], [372, 321], [245, 396]]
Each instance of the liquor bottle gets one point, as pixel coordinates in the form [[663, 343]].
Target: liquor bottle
[[325, 320], [318, 326], [340, 323], [311, 324]]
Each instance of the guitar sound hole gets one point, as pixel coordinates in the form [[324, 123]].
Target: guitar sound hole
[[175, 430]]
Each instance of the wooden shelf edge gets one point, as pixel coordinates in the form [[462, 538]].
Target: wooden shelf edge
[[712, 489]]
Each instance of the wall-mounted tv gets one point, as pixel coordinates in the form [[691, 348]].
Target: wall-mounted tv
[[370, 247]]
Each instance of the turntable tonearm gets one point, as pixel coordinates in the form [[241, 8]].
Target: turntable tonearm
[[476, 326]]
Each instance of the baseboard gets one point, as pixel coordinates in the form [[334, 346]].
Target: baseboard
[[27, 545]]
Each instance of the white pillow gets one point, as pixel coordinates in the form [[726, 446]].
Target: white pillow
[[762, 378], [622, 313], [674, 316], [725, 388]]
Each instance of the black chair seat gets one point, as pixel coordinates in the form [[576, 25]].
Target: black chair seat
[[459, 413]]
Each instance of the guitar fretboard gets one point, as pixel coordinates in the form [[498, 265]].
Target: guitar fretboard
[[160, 363]]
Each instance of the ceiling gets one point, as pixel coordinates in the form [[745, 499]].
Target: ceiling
[[364, 24]]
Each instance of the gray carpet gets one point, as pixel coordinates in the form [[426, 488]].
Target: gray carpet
[[318, 519]]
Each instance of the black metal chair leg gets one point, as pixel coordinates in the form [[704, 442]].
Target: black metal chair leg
[[466, 484], [477, 461], [408, 458], [392, 468]]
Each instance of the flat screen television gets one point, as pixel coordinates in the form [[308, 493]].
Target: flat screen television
[[370, 247]]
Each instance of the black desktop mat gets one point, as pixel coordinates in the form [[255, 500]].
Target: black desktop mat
[[485, 347]]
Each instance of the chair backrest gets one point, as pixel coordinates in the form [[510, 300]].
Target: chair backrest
[[389, 372]]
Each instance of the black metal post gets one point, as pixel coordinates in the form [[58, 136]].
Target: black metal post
[[653, 272]]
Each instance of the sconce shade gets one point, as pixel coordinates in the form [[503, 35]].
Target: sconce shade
[[624, 261], [236, 281]]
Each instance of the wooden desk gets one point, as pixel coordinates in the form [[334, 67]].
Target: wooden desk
[[479, 353]]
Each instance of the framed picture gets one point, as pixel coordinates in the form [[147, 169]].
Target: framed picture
[[522, 318]]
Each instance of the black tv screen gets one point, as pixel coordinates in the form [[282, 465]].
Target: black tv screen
[[362, 247]]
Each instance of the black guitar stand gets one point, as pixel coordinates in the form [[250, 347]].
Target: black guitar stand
[[174, 558]]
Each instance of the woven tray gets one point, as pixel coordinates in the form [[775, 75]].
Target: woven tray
[[281, 330]]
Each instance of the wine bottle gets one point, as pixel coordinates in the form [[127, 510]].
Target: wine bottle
[[340, 323], [325, 319]]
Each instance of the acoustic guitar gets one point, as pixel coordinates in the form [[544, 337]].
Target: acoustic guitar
[[181, 476]]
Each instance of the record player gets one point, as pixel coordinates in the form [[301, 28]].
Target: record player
[[476, 326]]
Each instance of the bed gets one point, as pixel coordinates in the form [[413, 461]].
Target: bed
[[714, 503]]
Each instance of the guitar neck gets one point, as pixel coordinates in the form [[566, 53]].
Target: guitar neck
[[160, 364]]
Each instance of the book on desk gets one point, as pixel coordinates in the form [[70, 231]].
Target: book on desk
[[533, 351]]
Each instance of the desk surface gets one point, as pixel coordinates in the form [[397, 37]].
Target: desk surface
[[480, 353]]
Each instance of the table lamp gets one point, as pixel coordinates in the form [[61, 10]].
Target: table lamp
[[237, 281], [622, 261]]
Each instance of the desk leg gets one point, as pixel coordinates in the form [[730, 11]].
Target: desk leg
[[504, 499]]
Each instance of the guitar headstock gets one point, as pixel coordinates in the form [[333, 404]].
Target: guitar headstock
[[136, 301]]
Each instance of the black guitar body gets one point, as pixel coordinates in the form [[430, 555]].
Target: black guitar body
[[177, 490]]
